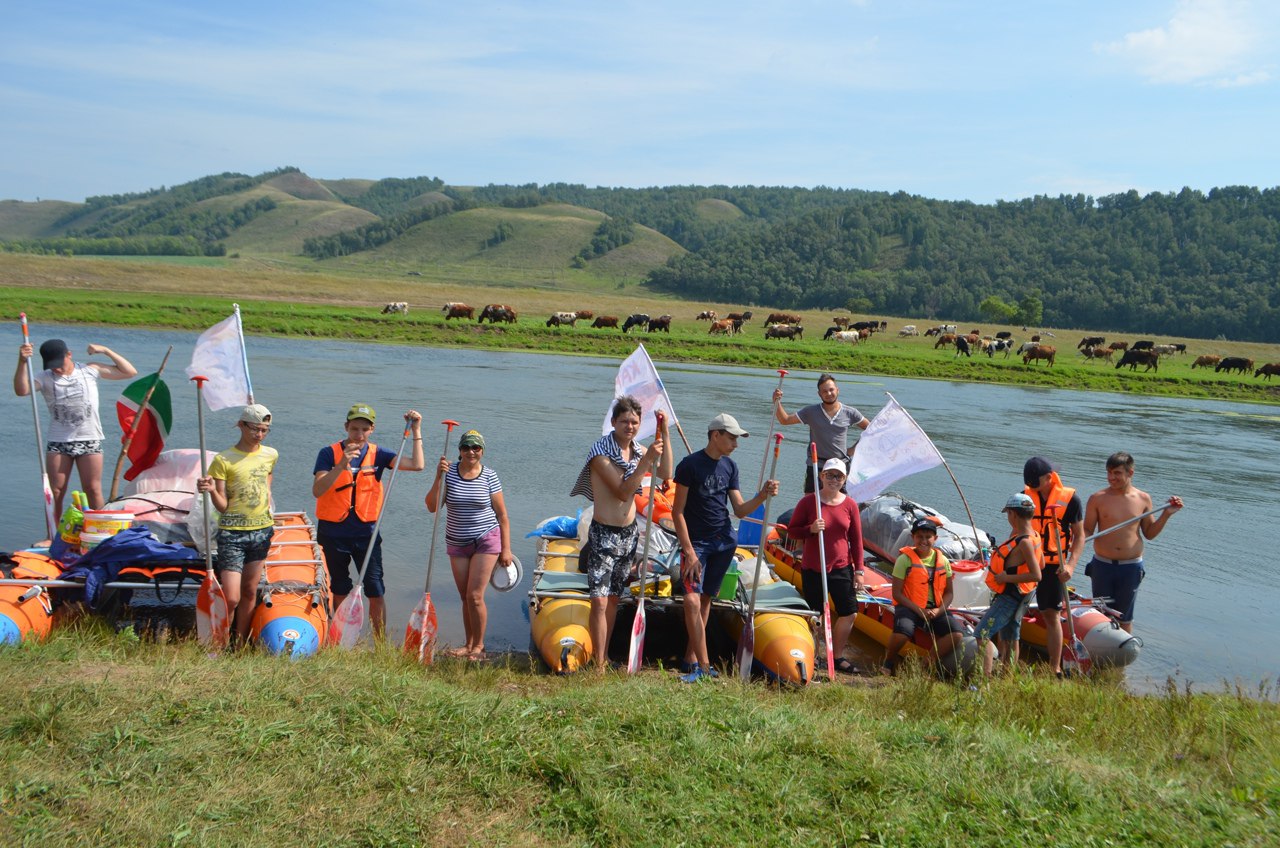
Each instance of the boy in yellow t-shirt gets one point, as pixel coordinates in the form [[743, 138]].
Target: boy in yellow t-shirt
[[239, 484]]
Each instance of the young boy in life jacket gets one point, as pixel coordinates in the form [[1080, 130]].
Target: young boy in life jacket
[[1013, 573], [922, 592]]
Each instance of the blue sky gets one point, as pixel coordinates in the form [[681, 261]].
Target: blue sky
[[979, 101]]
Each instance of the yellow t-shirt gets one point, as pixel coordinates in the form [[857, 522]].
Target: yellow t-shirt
[[248, 482]]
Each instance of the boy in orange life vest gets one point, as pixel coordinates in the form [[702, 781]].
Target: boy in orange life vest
[[348, 492], [922, 592], [1059, 519], [1013, 573]]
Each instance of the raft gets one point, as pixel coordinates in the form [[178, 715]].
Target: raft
[[294, 603], [26, 610]]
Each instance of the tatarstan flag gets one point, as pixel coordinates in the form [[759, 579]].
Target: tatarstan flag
[[151, 428]]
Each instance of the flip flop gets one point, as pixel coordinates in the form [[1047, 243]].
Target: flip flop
[[845, 667]]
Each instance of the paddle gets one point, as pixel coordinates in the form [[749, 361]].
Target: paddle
[[773, 421], [420, 632], [822, 563], [635, 653], [213, 624], [1125, 523], [50, 520], [348, 620], [747, 645]]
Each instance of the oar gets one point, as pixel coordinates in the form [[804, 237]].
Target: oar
[[773, 422], [1125, 523], [348, 619], [420, 632], [635, 654], [747, 645], [50, 520], [213, 624], [822, 563]]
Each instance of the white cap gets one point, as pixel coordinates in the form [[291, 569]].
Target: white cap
[[504, 579], [725, 421], [835, 464]]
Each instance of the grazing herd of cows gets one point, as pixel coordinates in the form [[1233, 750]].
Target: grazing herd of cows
[[786, 325]]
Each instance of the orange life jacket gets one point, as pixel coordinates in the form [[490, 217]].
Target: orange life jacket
[[997, 566], [1048, 518], [335, 504], [919, 577]]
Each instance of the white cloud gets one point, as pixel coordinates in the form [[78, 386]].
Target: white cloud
[[1205, 41]]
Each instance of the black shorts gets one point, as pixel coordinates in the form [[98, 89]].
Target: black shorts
[[905, 621], [839, 587], [1050, 591]]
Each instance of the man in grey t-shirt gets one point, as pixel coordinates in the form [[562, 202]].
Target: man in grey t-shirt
[[829, 424]]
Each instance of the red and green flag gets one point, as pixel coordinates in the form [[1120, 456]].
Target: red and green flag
[[144, 435]]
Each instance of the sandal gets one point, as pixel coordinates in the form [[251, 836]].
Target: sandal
[[845, 667]]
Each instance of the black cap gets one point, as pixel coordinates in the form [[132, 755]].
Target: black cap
[[54, 353], [1036, 467], [925, 524]]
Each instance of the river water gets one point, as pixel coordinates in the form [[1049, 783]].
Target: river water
[[1203, 611]]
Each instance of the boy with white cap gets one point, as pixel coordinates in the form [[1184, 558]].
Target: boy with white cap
[[1012, 575], [705, 481], [239, 484]]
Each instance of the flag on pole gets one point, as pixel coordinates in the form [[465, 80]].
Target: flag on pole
[[220, 356], [145, 432], [892, 447], [637, 377]]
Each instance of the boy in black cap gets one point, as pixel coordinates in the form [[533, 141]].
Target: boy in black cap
[[922, 591], [1059, 519], [70, 389]]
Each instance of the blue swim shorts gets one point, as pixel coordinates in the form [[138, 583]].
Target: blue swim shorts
[[1117, 580]]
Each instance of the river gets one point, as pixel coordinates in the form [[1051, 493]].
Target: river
[[1201, 613]]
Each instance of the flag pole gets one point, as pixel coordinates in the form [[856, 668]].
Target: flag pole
[[954, 481], [244, 354], [133, 428]]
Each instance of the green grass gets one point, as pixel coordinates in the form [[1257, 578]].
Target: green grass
[[109, 741]]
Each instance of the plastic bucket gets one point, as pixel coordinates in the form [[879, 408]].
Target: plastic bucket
[[969, 586], [106, 522], [89, 541], [729, 586], [749, 528]]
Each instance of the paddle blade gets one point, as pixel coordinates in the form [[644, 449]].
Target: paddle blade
[[420, 632], [348, 620], [746, 650], [636, 654], [831, 657], [213, 623]]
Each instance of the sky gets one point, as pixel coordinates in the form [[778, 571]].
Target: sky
[[979, 101]]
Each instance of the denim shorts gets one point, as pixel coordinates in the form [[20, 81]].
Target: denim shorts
[[1004, 618], [715, 565], [236, 547]]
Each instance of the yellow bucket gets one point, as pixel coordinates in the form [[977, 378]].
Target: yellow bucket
[[106, 522]]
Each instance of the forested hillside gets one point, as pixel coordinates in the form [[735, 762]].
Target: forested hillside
[[1189, 263]]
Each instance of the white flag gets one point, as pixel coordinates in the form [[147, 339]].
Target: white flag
[[220, 356], [892, 447], [637, 377]]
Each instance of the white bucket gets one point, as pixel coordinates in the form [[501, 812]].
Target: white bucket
[[969, 585], [106, 522], [89, 541]]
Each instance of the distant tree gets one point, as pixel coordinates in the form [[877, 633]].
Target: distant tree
[[1030, 312], [997, 311]]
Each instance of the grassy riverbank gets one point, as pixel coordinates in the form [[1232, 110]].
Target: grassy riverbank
[[108, 741], [284, 301]]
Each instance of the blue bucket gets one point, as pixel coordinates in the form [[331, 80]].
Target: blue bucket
[[749, 528]]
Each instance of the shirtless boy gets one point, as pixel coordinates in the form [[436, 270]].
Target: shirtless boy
[[1116, 568]]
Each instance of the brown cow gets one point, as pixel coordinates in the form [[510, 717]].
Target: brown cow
[[739, 316], [945, 340], [456, 310], [706, 315], [973, 339], [1118, 346], [585, 314], [605, 321], [1043, 351], [783, 331], [723, 327], [1036, 339], [1209, 360], [782, 318], [662, 322], [496, 312], [1271, 368], [1098, 352], [841, 321]]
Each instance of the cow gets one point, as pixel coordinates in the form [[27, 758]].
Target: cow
[[865, 333], [1268, 370], [585, 314], [841, 321], [998, 345], [1036, 338], [605, 322], [945, 340], [737, 325], [933, 331], [1091, 341], [884, 325], [782, 318], [399, 307], [559, 319], [783, 331], [739, 316], [1206, 361], [662, 322], [1143, 344], [1180, 347], [496, 312], [909, 330], [1165, 350], [1118, 346], [1005, 334], [1098, 352], [963, 346], [456, 310], [1026, 346], [723, 327], [1134, 358], [639, 319], [706, 315], [850, 336], [1044, 352], [1235, 363], [864, 325]]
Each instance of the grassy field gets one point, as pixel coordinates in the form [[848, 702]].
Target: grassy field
[[109, 741], [279, 298]]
